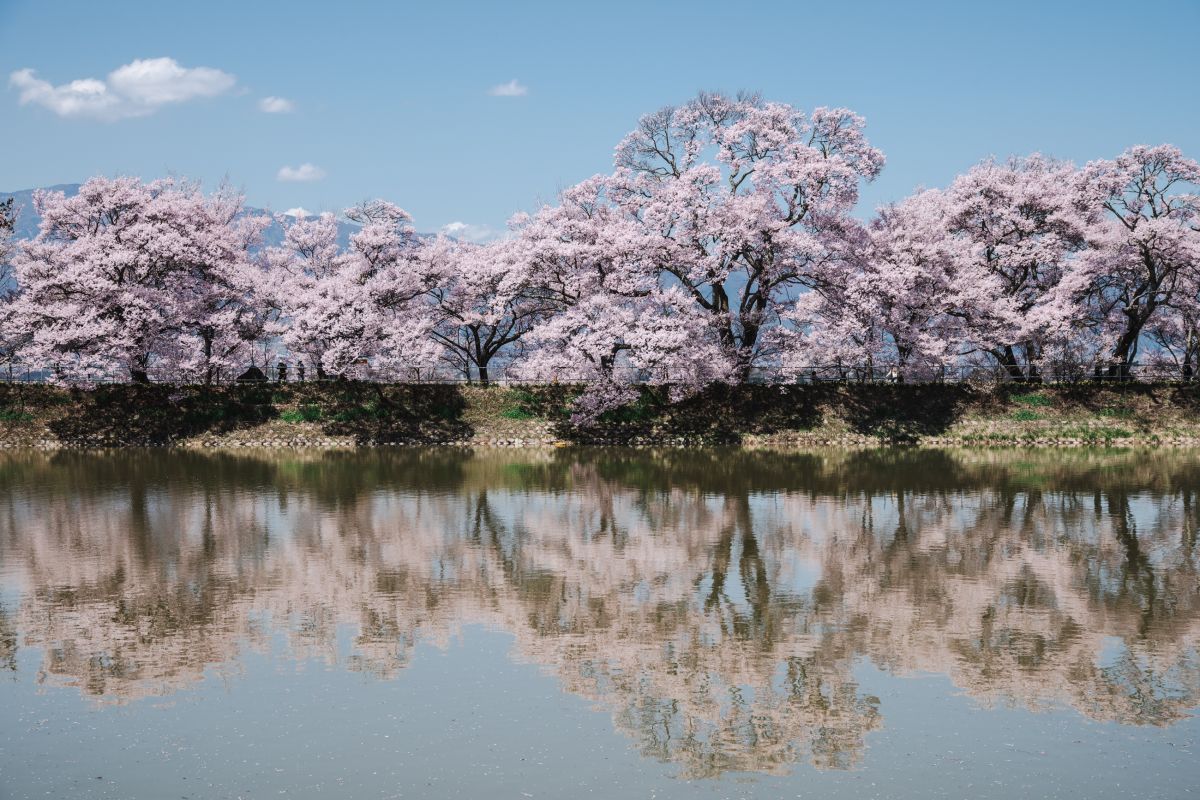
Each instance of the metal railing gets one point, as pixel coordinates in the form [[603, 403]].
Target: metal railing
[[1057, 373], [1050, 373]]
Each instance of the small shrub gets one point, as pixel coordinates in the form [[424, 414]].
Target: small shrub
[[206, 414], [445, 412], [643, 409], [13, 415]]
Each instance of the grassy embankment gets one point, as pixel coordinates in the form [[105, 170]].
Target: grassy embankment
[[347, 414]]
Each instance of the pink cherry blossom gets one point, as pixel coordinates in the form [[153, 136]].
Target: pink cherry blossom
[[1144, 252], [718, 213], [136, 280], [359, 312], [721, 246]]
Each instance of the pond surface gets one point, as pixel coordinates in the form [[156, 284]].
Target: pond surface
[[600, 623]]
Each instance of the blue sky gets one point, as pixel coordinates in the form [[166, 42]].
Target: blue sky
[[393, 100]]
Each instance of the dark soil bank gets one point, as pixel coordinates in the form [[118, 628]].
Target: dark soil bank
[[354, 414]]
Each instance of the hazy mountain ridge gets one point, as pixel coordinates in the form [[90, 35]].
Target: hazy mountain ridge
[[28, 219]]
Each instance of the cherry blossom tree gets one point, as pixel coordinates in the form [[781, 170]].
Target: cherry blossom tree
[[223, 315], [136, 279], [1020, 226], [722, 242], [8, 221], [8, 285], [359, 312], [613, 325], [893, 308], [742, 203], [613, 345], [308, 258], [717, 214], [1145, 252], [484, 301], [1176, 334]]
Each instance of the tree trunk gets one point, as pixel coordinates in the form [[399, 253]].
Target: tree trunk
[[743, 350], [208, 368], [1008, 360], [1136, 317], [1190, 351], [1032, 353], [1124, 351]]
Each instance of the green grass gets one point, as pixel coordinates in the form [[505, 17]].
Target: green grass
[[1033, 399], [13, 415], [1026, 415], [1116, 413], [526, 404], [523, 396], [307, 413]]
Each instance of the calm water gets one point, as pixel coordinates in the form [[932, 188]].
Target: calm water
[[609, 624]]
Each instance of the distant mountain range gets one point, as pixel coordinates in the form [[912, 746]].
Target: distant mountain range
[[28, 219]]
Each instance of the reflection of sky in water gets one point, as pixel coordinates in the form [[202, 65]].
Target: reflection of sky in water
[[438, 625], [1111, 652], [468, 721]]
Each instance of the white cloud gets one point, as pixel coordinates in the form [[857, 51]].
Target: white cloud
[[304, 172], [155, 81], [510, 89], [136, 89], [276, 105], [299, 212], [87, 97], [478, 234]]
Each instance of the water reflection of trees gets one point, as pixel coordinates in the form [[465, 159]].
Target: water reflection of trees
[[714, 602]]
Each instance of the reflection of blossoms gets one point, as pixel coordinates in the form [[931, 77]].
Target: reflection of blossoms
[[714, 603]]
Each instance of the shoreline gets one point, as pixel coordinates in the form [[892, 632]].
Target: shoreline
[[781, 443]]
